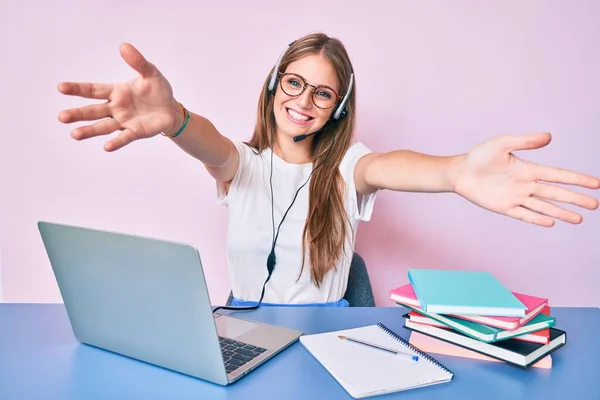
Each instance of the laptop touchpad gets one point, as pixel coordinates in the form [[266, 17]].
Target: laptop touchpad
[[233, 327]]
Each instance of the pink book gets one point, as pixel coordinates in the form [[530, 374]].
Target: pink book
[[431, 345], [535, 305]]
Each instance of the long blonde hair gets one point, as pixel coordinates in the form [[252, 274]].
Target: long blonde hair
[[327, 221]]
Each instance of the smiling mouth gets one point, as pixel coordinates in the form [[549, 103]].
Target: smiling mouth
[[297, 116]]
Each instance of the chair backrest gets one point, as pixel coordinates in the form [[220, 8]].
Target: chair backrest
[[359, 292]]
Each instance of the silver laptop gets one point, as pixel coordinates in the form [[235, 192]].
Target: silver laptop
[[147, 299]]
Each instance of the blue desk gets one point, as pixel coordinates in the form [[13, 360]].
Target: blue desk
[[40, 359]]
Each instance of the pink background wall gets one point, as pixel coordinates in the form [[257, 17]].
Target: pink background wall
[[432, 77]]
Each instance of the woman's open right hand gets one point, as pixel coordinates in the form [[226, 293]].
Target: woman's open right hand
[[140, 108]]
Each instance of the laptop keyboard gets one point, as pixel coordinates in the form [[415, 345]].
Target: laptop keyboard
[[236, 354]]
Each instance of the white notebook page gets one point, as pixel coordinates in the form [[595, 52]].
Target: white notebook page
[[363, 371]]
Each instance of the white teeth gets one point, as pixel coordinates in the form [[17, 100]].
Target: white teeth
[[296, 116]]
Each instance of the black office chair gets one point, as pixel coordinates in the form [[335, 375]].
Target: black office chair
[[359, 292]]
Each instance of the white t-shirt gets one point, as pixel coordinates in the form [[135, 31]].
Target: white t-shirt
[[250, 228]]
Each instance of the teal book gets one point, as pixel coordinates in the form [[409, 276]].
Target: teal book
[[484, 333], [464, 292]]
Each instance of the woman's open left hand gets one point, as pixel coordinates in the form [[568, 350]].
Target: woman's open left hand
[[492, 177]]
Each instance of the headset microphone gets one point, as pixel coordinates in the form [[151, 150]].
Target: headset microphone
[[302, 137]]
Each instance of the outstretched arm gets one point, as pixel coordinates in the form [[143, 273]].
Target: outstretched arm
[[489, 175], [407, 171], [202, 140]]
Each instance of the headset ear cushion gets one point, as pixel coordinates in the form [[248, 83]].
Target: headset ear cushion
[[272, 83], [338, 114]]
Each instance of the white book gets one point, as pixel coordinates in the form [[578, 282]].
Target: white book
[[364, 371]]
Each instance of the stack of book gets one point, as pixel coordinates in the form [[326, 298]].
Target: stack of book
[[471, 314]]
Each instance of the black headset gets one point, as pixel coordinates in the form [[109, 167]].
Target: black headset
[[336, 116]]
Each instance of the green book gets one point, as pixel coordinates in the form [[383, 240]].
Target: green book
[[488, 334]]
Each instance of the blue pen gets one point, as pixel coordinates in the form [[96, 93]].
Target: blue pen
[[374, 346]]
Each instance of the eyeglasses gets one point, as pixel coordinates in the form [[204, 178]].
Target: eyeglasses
[[294, 85]]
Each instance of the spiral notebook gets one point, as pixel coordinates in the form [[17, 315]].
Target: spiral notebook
[[364, 371]]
